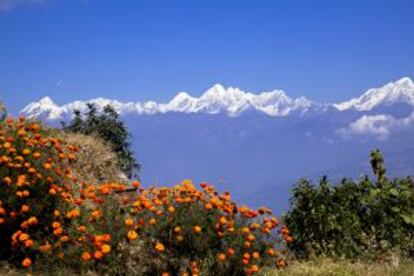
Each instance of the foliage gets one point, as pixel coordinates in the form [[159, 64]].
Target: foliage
[[186, 231], [3, 111], [41, 216], [50, 219], [111, 129], [354, 219]]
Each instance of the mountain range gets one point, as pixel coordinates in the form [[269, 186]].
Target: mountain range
[[258, 145]]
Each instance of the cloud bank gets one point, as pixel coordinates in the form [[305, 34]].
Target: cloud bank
[[380, 126]]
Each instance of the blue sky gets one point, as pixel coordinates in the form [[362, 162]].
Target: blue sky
[[150, 49]]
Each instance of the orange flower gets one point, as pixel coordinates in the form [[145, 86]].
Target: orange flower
[[24, 237], [230, 251], [29, 243], [106, 248], [221, 257], [98, 255], [171, 209], [58, 231], [129, 222], [256, 255], [177, 229], [64, 239], [159, 247], [26, 262], [86, 256], [253, 269], [56, 224], [82, 229], [45, 248], [132, 235], [197, 229], [179, 238]]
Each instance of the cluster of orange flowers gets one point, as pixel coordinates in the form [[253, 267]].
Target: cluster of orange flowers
[[42, 212], [38, 207], [231, 224]]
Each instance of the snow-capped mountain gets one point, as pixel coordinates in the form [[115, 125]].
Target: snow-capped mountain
[[217, 99], [233, 102], [401, 91], [258, 145]]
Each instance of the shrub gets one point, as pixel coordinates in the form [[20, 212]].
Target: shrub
[[41, 216], [109, 127], [368, 218], [184, 231], [48, 216]]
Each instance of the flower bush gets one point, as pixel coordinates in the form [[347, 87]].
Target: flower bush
[[40, 211], [188, 231], [49, 216]]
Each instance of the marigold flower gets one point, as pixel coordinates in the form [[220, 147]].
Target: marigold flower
[[58, 231], [86, 256], [29, 243], [159, 247], [253, 269], [250, 238], [45, 248], [230, 252], [197, 229], [24, 237], [26, 262], [129, 222], [56, 224], [81, 228], [132, 235], [98, 255], [179, 238], [106, 248], [221, 257]]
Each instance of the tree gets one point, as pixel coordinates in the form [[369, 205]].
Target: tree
[[111, 129], [3, 111]]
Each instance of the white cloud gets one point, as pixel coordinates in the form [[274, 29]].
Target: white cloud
[[6, 5], [376, 125]]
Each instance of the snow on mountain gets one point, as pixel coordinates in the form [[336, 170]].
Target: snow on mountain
[[233, 102], [217, 99], [401, 91]]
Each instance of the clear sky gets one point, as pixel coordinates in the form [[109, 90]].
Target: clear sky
[[137, 50]]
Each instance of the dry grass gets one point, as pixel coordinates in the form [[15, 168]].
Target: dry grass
[[96, 162], [319, 267], [329, 267]]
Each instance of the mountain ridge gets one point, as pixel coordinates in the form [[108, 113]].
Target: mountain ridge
[[234, 102]]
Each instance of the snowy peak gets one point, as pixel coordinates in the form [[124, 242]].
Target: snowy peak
[[216, 99], [401, 91], [233, 102]]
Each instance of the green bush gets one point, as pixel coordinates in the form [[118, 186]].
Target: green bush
[[109, 127], [368, 218]]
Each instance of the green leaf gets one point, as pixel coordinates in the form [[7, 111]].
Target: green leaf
[[394, 192], [409, 219]]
